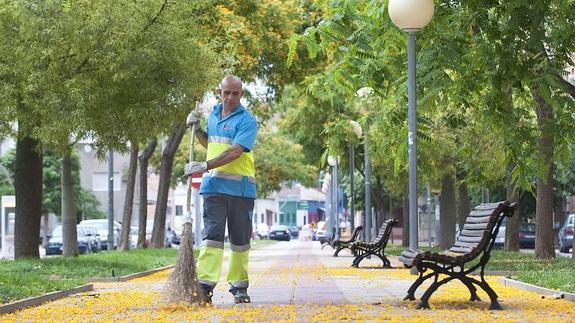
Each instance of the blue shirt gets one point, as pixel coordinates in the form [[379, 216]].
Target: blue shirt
[[239, 127]]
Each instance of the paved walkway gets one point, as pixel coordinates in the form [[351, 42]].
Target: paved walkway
[[297, 281]]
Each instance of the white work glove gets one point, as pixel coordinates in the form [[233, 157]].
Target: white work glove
[[194, 118], [195, 167]]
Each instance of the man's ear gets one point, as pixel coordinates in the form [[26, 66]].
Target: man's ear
[[218, 93]]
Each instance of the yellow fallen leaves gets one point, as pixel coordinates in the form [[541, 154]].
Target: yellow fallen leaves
[[139, 300]]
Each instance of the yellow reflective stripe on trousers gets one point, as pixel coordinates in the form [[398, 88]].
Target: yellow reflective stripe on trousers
[[210, 264], [244, 165], [238, 270]]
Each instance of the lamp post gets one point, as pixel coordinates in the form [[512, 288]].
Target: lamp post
[[364, 93], [331, 225], [410, 16], [356, 129]]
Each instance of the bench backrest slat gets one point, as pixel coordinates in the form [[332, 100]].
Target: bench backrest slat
[[475, 226], [483, 219], [470, 245], [462, 250], [479, 229], [472, 233], [384, 233], [472, 239], [355, 233]]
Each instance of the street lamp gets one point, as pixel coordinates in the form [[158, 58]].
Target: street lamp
[[356, 129], [410, 16], [364, 93]]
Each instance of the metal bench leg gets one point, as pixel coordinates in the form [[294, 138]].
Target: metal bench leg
[[358, 259], [387, 263], [472, 289], [424, 303], [492, 295], [411, 291], [339, 248]]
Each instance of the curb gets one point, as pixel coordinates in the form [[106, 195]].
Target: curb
[[537, 289], [38, 300], [127, 277]]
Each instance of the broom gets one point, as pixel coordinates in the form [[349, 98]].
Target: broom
[[182, 286]]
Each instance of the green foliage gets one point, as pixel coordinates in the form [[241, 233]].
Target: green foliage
[[116, 70], [279, 161], [475, 107]]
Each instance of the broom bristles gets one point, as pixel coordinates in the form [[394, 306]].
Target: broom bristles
[[182, 285]]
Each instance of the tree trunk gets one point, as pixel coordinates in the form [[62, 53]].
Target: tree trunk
[[463, 203], [405, 228], [447, 212], [69, 219], [143, 210], [512, 227], [28, 191], [129, 200], [544, 240], [164, 186]]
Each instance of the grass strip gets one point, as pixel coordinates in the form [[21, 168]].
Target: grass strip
[[25, 278]]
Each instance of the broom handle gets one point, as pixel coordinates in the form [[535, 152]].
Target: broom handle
[[190, 159]]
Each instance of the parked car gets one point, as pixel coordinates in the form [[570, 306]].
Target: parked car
[[170, 236], [566, 233], [525, 232], [133, 237], [280, 232], [101, 225], [294, 232], [94, 237], [527, 235], [262, 231], [320, 231], [55, 244], [500, 238]]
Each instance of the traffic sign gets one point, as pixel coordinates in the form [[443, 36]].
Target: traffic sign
[[196, 180]]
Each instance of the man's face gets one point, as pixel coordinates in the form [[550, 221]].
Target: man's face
[[231, 93]]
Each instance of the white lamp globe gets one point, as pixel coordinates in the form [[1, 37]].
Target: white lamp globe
[[364, 92], [356, 128], [410, 15], [331, 160]]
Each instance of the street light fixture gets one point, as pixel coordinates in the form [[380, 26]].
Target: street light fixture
[[364, 93], [410, 16]]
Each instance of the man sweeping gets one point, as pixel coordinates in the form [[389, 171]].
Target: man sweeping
[[228, 189]]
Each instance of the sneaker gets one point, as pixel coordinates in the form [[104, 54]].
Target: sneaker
[[240, 295], [207, 293]]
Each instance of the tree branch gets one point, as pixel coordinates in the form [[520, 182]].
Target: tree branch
[[151, 22], [570, 88]]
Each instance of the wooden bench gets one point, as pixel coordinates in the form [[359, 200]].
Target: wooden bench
[[363, 249], [339, 245], [475, 242], [327, 242]]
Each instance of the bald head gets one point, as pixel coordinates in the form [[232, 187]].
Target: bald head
[[231, 92], [231, 79]]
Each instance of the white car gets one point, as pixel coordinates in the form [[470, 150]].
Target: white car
[[262, 231], [101, 225]]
